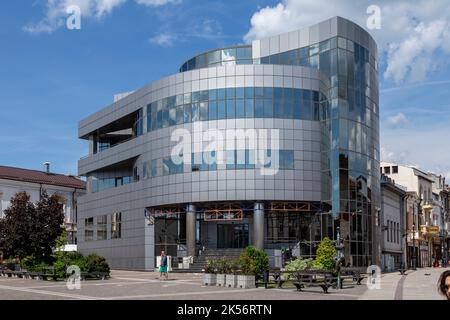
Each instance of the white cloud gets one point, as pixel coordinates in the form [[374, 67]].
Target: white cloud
[[156, 3], [412, 32], [164, 39], [397, 119], [422, 148], [55, 16]]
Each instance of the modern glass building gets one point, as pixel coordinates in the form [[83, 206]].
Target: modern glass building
[[304, 103]]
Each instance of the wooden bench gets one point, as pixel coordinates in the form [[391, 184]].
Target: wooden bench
[[355, 274], [94, 275], [273, 274], [322, 279]]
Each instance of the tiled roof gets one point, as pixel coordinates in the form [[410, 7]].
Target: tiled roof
[[34, 176]]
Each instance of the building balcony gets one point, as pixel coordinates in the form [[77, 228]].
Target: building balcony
[[432, 231], [428, 205]]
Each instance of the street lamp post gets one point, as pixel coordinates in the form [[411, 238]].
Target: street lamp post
[[338, 255]]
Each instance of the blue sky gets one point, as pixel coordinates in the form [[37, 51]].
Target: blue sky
[[52, 77]]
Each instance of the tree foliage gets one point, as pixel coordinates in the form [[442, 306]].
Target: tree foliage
[[253, 261], [31, 230], [325, 255]]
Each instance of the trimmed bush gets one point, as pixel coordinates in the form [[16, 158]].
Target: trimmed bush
[[253, 261], [325, 255]]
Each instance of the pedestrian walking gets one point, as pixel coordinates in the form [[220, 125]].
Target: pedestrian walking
[[163, 272]]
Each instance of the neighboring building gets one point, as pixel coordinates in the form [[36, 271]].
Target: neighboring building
[[317, 86], [421, 230], [14, 180], [439, 219], [393, 211]]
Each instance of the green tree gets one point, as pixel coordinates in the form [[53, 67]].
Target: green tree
[[31, 230], [253, 261], [325, 255]]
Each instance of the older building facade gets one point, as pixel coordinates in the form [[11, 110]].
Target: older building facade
[[34, 183], [298, 117]]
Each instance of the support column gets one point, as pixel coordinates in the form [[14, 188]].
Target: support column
[[258, 225], [190, 229]]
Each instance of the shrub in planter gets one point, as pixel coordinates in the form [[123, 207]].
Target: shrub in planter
[[210, 276], [231, 274], [222, 268], [254, 262]]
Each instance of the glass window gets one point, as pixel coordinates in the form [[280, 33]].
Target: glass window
[[203, 111], [187, 113], [221, 110], [231, 93], [165, 118], [102, 222], [88, 222], [231, 161], [116, 225], [268, 108], [249, 92], [172, 117], [240, 159], [278, 108], [187, 98], [249, 108], [214, 56], [259, 92], [314, 49], [195, 112], [229, 54], [268, 93], [180, 115], [179, 100], [154, 168], [231, 109], [240, 93], [249, 159], [195, 96], [342, 43], [314, 61], [212, 110], [204, 95], [259, 108], [212, 94], [286, 159], [240, 108], [325, 45], [244, 53], [221, 94]]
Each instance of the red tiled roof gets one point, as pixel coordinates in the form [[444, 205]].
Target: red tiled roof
[[34, 176]]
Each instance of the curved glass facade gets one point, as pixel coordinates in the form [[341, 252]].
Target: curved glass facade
[[220, 57], [353, 125], [234, 103]]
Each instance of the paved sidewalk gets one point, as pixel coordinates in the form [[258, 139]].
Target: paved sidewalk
[[415, 285]]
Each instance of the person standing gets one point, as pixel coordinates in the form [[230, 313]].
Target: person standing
[[163, 267]]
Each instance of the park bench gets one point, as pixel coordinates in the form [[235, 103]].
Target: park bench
[[94, 275], [355, 274], [322, 279], [271, 276], [402, 271]]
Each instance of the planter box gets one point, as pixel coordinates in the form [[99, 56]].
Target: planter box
[[209, 279], [220, 280], [231, 281], [246, 282]]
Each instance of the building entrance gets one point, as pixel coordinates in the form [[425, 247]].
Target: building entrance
[[232, 236]]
